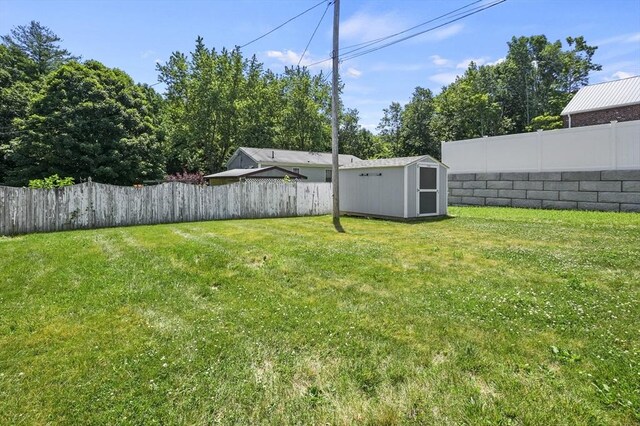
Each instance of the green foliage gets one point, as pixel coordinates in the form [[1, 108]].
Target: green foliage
[[415, 133], [88, 121], [217, 101], [53, 181], [356, 140], [525, 92], [469, 107], [545, 122], [539, 75], [18, 83], [39, 44], [390, 126]]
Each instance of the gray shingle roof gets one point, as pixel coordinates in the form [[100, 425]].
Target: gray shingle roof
[[387, 162], [253, 173], [605, 95], [283, 156]]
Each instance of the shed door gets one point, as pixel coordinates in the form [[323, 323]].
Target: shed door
[[427, 199]]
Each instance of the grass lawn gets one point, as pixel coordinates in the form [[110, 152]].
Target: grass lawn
[[496, 316]]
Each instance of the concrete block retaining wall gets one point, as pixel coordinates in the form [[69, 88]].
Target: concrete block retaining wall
[[608, 190]]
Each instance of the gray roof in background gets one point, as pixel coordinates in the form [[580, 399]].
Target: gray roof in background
[[605, 95], [268, 155], [254, 172], [388, 162], [232, 173]]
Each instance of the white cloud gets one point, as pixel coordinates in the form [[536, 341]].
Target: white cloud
[[465, 63], [444, 78], [497, 61], [147, 54], [621, 74], [365, 27], [290, 57], [619, 39], [353, 73], [440, 61]]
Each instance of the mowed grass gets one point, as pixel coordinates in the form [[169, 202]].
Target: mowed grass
[[495, 316]]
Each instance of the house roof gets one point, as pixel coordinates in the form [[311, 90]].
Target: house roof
[[283, 156], [253, 173], [388, 162], [605, 95]]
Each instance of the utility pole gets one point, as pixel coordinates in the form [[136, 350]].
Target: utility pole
[[335, 175]]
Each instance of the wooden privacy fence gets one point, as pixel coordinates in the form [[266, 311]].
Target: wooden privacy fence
[[95, 205]]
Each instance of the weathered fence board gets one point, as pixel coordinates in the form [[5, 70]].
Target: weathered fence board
[[95, 205]]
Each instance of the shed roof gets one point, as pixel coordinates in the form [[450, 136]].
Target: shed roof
[[252, 173], [389, 162], [605, 95], [268, 155]]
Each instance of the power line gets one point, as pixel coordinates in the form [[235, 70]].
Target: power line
[[369, 42], [373, 49], [314, 33], [349, 54], [283, 24]]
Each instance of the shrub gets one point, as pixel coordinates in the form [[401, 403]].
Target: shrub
[[186, 177], [53, 181]]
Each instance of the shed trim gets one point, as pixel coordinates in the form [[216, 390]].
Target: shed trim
[[406, 189]]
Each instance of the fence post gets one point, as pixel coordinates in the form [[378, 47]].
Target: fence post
[[90, 205]]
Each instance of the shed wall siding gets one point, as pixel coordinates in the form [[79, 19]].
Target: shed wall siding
[[384, 197]]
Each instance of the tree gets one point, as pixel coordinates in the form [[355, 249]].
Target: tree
[[306, 121], [541, 76], [17, 87], [88, 121], [356, 140], [467, 108], [40, 44], [389, 128], [217, 101], [415, 133]]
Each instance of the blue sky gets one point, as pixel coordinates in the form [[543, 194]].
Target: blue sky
[[133, 35]]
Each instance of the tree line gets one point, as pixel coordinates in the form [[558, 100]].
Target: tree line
[[63, 115]]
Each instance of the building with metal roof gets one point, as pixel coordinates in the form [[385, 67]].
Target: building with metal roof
[[602, 103], [235, 175], [402, 187], [316, 166]]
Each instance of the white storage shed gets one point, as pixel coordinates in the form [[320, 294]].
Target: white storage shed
[[404, 187]]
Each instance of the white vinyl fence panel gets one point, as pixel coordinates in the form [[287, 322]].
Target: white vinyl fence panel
[[614, 146], [95, 205]]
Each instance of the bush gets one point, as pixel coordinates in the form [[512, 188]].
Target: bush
[[545, 122], [185, 177], [53, 181]]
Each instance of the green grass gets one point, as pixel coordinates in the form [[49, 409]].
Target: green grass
[[496, 316]]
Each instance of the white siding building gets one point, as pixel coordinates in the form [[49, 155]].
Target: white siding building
[[316, 166]]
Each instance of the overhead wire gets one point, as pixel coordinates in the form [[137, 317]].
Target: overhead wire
[[283, 24], [349, 55], [314, 32], [377, 40]]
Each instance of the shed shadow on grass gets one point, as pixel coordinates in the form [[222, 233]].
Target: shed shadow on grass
[[409, 221]]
